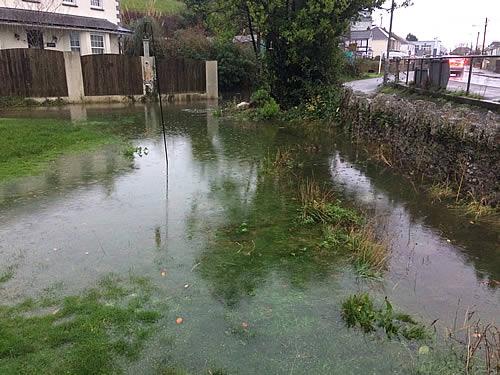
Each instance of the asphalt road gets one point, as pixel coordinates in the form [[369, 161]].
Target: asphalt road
[[485, 83]]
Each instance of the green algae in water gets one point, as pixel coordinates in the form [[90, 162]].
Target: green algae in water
[[84, 334], [361, 310]]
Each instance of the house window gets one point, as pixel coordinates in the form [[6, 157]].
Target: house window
[[74, 42], [96, 4], [97, 44], [69, 2]]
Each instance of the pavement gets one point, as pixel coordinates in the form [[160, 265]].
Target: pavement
[[484, 83], [368, 86]]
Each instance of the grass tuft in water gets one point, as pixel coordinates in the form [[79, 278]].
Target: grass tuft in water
[[84, 334], [441, 191], [7, 274], [319, 206], [361, 310]]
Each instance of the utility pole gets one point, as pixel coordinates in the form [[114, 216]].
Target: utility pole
[[484, 36], [387, 60], [477, 43]]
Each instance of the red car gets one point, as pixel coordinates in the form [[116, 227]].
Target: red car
[[457, 66]]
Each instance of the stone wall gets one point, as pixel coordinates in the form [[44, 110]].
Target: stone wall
[[435, 142]]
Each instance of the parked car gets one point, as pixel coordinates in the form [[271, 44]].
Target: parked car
[[397, 54]]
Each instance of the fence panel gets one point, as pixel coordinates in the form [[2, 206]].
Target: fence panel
[[179, 76], [111, 75], [32, 73]]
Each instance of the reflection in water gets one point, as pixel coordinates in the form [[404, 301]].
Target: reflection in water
[[225, 231], [421, 258]]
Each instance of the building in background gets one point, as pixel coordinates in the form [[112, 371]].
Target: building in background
[[84, 26], [493, 49], [380, 39], [429, 48], [363, 23], [369, 41], [492, 63]]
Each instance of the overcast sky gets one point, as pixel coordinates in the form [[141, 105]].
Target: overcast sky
[[452, 21]]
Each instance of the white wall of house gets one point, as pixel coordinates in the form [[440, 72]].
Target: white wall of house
[[15, 37], [108, 9], [408, 49], [8, 37], [379, 46]]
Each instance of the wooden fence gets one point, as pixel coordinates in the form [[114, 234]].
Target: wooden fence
[[111, 75], [32, 73], [40, 73], [181, 75]]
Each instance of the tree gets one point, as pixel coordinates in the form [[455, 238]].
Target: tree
[[411, 38], [301, 39]]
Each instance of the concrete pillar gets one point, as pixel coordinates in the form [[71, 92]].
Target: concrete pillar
[[212, 79], [85, 48], [145, 47], [78, 112], [147, 74], [74, 76]]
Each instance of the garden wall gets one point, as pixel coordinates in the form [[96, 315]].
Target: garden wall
[[445, 144]]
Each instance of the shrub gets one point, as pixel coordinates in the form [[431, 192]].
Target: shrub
[[266, 108], [237, 66], [260, 97]]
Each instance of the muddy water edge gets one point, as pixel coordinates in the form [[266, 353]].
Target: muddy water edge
[[223, 250]]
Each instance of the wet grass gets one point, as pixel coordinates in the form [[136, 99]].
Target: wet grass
[[90, 333], [295, 226], [478, 208], [345, 230], [360, 310], [471, 206], [319, 206], [29, 145], [441, 191]]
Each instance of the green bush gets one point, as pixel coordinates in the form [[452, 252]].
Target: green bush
[[269, 110], [237, 66], [266, 107], [260, 97]]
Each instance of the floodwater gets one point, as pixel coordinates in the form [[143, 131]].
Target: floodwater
[[96, 213]]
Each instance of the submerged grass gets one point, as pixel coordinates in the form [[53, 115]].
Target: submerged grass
[[471, 206], [7, 274], [29, 145], [361, 310], [345, 231], [84, 334]]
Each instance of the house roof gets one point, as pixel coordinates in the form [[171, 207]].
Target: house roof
[[57, 20], [360, 34], [494, 45], [380, 33]]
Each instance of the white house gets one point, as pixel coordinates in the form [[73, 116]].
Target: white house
[[380, 38], [429, 48], [85, 26]]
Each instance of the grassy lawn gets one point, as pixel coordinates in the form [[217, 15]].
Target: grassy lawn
[[159, 6], [29, 145]]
